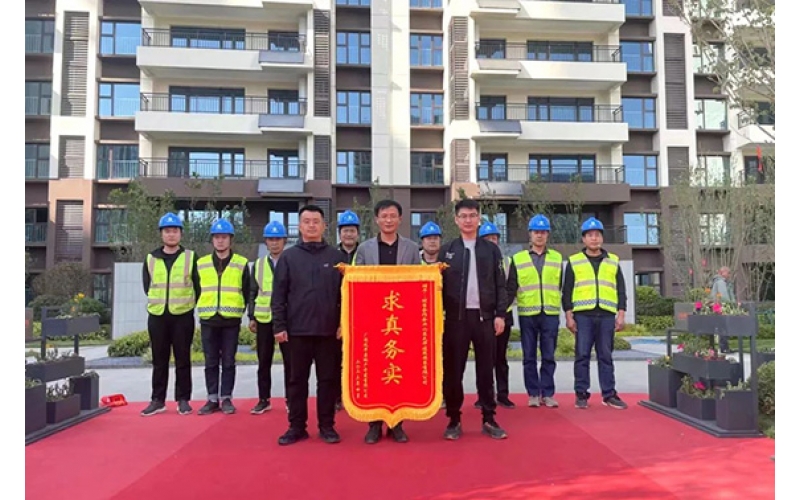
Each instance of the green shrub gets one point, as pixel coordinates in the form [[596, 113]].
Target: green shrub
[[515, 335], [634, 330], [246, 337], [63, 280], [656, 323], [135, 344], [621, 344], [45, 301], [91, 305], [650, 303], [766, 389], [766, 331], [103, 334]]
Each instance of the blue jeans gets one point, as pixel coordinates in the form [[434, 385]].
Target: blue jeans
[[539, 331], [597, 331]]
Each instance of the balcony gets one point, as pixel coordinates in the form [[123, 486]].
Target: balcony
[[549, 65], [548, 16], [35, 232], [604, 184], [242, 10], [175, 117], [758, 131], [427, 176], [518, 124], [117, 169], [219, 55], [37, 169]]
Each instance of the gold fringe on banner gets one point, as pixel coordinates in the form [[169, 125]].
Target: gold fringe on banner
[[390, 274]]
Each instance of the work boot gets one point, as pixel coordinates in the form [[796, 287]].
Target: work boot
[[329, 435], [374, 433], [397, 433]]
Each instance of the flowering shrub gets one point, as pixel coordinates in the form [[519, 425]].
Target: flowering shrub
[[720, 308], [75, 307], [663, 361], [700, 346], [696, 389]]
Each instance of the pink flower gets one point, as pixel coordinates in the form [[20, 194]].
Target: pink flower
[[717, 308], [699, 386], [698, 305], [711, 353], [680, 346]]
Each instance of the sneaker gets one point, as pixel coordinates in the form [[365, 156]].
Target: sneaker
[[505, 402], [615, 402], [209, 408], [581, 402], [397, 433], [453, 431], [329, 435], [550, 402], [153, 408], [262, 406], [493, 430], [374, 433], [534, 402], [292, 436], [227, 407], [184, 408]]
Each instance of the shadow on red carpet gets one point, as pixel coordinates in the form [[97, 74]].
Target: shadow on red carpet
[[564, 453]]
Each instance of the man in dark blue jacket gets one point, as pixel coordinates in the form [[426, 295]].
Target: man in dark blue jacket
[[306, 305]]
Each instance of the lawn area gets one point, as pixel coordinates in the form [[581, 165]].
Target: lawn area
[[761, 344]]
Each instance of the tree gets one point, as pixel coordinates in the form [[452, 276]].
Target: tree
[[65, 280], [534, 200], [569, 228], [446, 217]]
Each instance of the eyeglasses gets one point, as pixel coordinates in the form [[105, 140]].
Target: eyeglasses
[[468, 216], [388, 217]]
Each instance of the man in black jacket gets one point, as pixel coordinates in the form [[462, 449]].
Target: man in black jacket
[[306, 304], [475, 302]]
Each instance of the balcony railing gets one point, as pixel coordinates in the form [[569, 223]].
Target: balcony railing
[[605, 113], [429, 176], [551, 51], [117, 169], [745, 119], [36, 232], [216, 39], [37, 169], [210, 169], [225, 105], [602, 174]]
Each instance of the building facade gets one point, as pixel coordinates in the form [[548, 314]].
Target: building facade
[[596, 102]]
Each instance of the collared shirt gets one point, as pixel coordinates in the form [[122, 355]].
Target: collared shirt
[[538, 259], [387, 253]]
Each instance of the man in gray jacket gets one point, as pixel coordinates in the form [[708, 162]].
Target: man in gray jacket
[[387, 249], [722, 293]]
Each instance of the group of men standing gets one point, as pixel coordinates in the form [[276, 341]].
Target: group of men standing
[[293, 298]]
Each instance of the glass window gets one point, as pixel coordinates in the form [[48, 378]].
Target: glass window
[[493, 168], [118, 99], [560, 51], [427, 109], [427, 168], [561, 109], [652, 279], [704, 60], [639, 7], [561, 168], [37, 161], [353, 3], [712, 171], [353, 108], [206, 163], [642, 229], [641, 170], [285, 164], [117, 161], [425, 4], [353, 167], [119, 38], [101, 288], [38, 97], [353, 48], [39, 36], [110, 225], [204, 100], [426, 50], [639, 112], [713, 230], [210, 38], [491, 107], [638, 56], [712, 114]]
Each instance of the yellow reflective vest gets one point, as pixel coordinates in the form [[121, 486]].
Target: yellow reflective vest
[[537, 293], [221, 294], [263, 303], [594, 289], [171, 289]]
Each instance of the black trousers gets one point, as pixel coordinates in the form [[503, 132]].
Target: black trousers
[[265, 348], [220, 344], [457, 336], [171, 335], [501, 359], [321, 351]]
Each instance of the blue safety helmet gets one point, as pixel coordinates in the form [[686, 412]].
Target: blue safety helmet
[[222, 226], [348, 218], [539, 223], [591, 224], [170, 220], [430, 229], [488, 228], [275, 230]]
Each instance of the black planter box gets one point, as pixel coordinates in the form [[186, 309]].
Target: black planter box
[[764, 357], [58, 411], [64, 327], [663, 384], [708, 370], [88, 388], [702, 409], [722, 325], [56, 370], [736, 411], [35, 408]]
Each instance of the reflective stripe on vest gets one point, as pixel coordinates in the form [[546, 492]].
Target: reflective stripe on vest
[[592, 290], [171, 290], [221, 295], [263, 309], [535, 294]]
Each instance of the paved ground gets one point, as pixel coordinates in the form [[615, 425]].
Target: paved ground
[[134, 383]]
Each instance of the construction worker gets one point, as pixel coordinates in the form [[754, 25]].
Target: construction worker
[[489, 232], [260, 313], [172, 285], [349, 227], [387, 249], [534, 278], [594, 300], [475, 304], [224, 288], [430, 235]]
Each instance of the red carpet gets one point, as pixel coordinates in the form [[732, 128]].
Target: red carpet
[[565, 453]]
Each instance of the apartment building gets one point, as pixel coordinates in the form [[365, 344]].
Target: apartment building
[[297, 101]]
